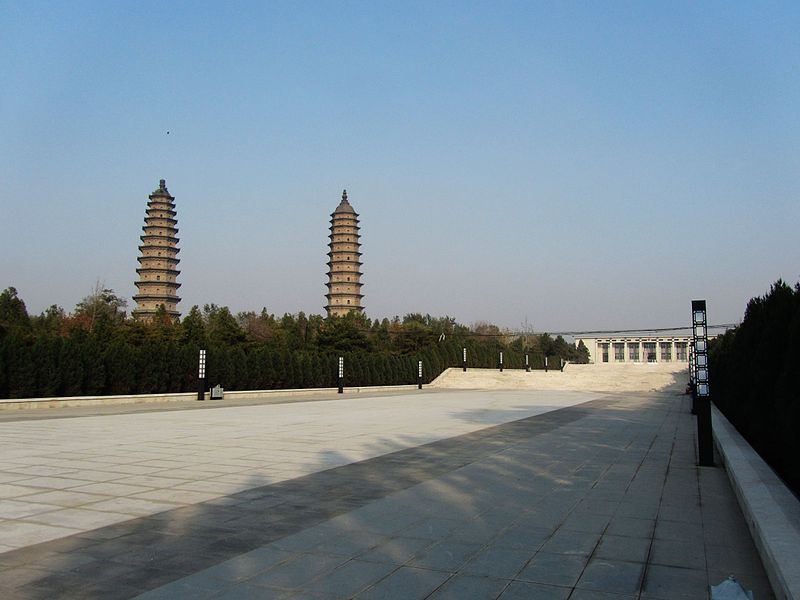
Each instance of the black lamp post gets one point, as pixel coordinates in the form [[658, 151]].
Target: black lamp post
[[545, 363], [705, 444], [419, 376], [692, 385], [527, 365], [501, 362], [464, 359], [341, 374], [201, 376]]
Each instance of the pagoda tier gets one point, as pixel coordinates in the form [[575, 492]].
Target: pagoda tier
[[157, 270], [157, 284], [344, 264], [164, 259], [157, 247]]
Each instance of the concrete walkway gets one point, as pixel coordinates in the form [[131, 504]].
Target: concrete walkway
[[485, 495]]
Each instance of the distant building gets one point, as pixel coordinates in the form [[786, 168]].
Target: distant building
[[344, 261], [637, 348], [158, 262]]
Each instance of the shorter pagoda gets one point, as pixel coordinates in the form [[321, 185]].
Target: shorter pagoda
[[344, 261], [158, 262]]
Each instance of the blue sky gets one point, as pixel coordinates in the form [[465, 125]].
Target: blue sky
[[568, 165]]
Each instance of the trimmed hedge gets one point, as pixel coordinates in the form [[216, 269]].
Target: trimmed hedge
[[755, 378]]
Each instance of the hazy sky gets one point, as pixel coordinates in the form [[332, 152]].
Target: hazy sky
[[575, 165]]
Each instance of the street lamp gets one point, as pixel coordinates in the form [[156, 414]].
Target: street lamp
[[527, 365], [419, 376], [501, 362], [692, 386], [464, 359], [201, 376], [341, 374], [705, 444]]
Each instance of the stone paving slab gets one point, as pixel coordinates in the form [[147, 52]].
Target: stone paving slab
[[122, 466], [566, 504]]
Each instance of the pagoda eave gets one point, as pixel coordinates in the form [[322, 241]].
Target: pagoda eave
[[141, 270], [152, 236], [144, 284], [169, 210], [168, 259], [345, 296], [168, 228], [157, 297], [154, 247], [351, 283]]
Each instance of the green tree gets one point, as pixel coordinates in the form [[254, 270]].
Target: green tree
[[120, 363], [21, 368], [582, 353], [343, 334], [50, 322], [222, 328], [71, 364], [13, 314], [754, 378], [46, 352], [193, 329]]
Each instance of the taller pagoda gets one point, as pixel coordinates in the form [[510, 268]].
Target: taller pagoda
[[344, 261], [158, 263]]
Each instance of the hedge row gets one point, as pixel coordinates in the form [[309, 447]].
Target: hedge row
[[755, 378]]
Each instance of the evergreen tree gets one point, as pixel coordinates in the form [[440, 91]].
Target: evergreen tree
[[222, 328], [50, 322], [582, 353], [21, 368], [46, 351], [119, 367], [193, 329], [13, 314], [71, 365]]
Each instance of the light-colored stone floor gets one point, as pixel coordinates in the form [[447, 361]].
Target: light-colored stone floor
[[62, 476], [610, 506], [609, 377]]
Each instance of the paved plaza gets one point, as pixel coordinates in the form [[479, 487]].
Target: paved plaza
[[468, 494]]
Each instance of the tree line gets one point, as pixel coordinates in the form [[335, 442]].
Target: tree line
[[98, 350], [755, 379]]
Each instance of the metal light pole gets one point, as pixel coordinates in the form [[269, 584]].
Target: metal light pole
[[562, 364], [419, 376], [501, 362], [341, 374], [201, 376], [692, 384], [464, 359], [705, 443], [527, 365], [545, 363]]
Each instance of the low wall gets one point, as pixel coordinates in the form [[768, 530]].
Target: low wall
[[275, 396], [772, 512]]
